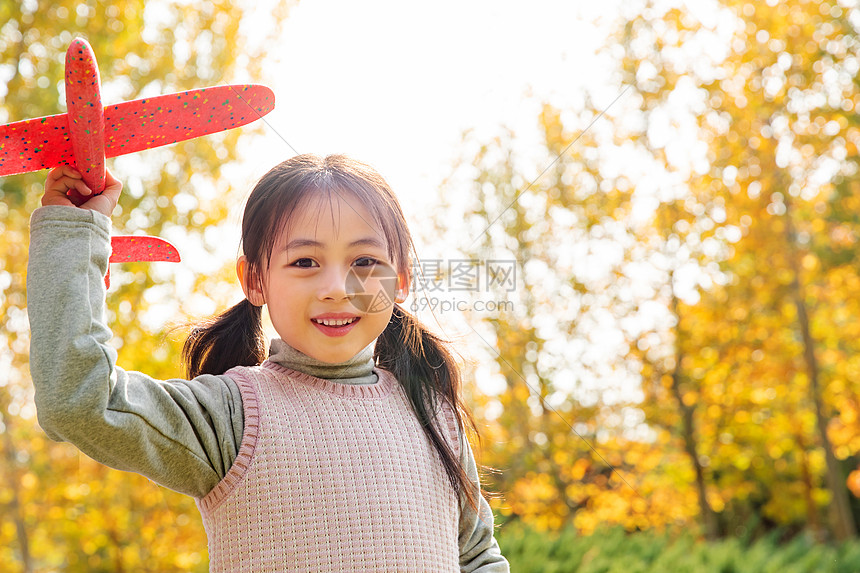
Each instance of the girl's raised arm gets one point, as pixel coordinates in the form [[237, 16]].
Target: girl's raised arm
[[182, 434]]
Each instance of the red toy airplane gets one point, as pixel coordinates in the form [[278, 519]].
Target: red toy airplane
[[89, 133]]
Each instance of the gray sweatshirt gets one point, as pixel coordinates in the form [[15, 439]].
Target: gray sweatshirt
[[183, 434]]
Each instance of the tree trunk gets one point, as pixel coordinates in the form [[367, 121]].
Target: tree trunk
[[688, 428], [845, 527], [813, 519], [11, 463]]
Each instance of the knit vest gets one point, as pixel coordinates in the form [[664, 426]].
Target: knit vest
[[331, 477]]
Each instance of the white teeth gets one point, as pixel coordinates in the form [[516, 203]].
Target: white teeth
[[329, 322]]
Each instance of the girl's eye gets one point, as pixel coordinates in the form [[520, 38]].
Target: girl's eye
[[366, 262], [303, 263]]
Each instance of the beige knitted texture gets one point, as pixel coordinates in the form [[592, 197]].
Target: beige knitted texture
[[331, 477]]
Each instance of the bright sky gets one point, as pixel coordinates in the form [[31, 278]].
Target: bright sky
[[396, 83]]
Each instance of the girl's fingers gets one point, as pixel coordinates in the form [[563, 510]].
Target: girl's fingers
[[58, 173], [61, 180], [70, 171], [64, 184], [81, 187], [53, 175]]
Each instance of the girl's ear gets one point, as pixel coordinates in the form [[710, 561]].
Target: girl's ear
[[252, 291], [402, 288]]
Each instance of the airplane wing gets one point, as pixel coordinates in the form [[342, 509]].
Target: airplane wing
[[35, 144], [129, 248], [152, 122], [132, 126]]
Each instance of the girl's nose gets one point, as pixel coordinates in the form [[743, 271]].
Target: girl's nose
[[334, 284]]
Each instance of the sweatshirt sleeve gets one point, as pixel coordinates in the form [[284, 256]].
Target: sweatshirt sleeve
[[183, 434], [479, 550]]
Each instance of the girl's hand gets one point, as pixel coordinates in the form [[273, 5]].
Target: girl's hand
[[64, 178]]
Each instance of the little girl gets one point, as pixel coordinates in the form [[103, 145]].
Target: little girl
[[342, 450]]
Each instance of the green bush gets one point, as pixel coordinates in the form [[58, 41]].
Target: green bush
[[613, 550]]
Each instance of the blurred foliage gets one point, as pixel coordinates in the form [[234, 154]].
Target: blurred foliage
[[700, 240], [613, 550], [674, 248], [58, 509]]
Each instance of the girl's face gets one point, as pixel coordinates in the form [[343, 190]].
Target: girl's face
[[330, 285]]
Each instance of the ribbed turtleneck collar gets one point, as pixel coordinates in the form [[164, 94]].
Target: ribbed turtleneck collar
[[358, 370]]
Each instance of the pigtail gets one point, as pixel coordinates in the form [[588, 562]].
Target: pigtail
[[426, 370], [233, 338]]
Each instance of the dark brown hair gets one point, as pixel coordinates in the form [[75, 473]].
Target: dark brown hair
[[419, 360]]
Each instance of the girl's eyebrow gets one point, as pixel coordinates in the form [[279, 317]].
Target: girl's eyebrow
[[364, 241]]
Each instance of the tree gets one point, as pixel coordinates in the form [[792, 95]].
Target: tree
[[738, 233], [68, 511], [778, 132]]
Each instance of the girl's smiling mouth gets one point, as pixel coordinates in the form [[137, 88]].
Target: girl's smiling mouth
[[335, 324]]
